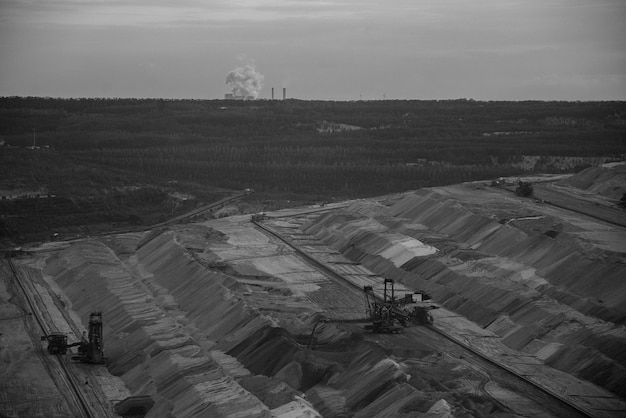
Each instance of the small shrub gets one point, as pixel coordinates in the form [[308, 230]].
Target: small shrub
[[524, 189]]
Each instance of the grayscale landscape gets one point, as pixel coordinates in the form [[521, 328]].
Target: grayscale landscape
[[312, 209]]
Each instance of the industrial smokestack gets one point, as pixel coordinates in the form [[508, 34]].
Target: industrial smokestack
[[284, 93], [272, 93]]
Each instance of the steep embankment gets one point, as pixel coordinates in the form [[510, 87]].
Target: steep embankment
[[185, 335], [607, 180], [557, 296], [148, 344]]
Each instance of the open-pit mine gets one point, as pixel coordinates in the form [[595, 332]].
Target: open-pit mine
[[289, 313]]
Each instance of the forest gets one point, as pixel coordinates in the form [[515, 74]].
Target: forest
[[288, 149]]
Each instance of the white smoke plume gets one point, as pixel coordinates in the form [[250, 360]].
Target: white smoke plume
[[245, 81]]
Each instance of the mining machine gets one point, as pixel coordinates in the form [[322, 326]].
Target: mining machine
[[90, 348], [389, 316], [392, 315], [57, 343]]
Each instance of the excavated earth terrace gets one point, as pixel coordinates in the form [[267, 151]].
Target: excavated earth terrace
[[222, 319]]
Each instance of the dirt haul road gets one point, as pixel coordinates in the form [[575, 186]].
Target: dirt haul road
[[215, 318]]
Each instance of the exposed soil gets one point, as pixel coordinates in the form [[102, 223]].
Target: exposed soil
[[218, 318]]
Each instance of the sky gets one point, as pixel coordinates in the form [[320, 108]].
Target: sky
[[316, 49]]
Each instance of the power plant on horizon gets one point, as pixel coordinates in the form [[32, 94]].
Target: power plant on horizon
[[233, 96], [246, 84]]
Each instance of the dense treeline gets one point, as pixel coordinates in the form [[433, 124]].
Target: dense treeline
[[277, 146], [322, 170]]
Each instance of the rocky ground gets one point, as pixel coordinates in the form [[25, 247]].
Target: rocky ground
[[218, 318]]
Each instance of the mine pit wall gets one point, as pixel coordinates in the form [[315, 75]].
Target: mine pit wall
[[584, 276], [183, 336], [583, 337], [600, 180], [267, 351], [205, 296], [150, 349]]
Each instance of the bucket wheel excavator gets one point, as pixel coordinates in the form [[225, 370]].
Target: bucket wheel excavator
[[90, 348], [392, 315], [389, 316]]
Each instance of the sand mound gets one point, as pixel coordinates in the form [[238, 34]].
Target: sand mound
[[145, 344], [608, 180], [561, 300]]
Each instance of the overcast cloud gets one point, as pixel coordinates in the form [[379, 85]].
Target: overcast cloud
[[326, 49]]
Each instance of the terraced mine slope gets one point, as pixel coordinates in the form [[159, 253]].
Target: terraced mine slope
[[232, 318]]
